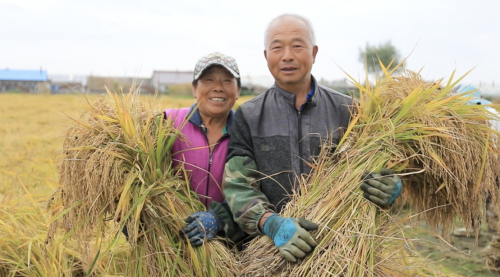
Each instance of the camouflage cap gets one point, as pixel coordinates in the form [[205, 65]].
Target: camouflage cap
[[227, 62]]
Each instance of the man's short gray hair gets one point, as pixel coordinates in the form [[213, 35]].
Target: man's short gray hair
[[312, 37]]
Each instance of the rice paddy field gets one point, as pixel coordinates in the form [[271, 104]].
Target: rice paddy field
[[32, 129]]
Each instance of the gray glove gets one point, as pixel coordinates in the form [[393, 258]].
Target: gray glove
[[290, 235], [382, 189]]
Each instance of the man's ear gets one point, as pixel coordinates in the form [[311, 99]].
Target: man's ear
[[315, 51], [265, 54]]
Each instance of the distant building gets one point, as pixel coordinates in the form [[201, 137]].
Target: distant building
[[60, 84], [341, 85], [490, 91], [32, 81], [97, 84], [61, 87], [256, 84], [59, 78], [161, 80]]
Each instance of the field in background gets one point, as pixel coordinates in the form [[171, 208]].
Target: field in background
[[32, 129]]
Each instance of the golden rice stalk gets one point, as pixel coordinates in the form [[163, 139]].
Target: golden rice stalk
[[443, 149], [25, 251], [117, 167], [22, 244]]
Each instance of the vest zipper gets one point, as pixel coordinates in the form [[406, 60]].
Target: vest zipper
[[210, 161], [208, 173]]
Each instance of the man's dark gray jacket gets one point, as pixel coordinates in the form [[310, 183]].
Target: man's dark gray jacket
[[281, 140]]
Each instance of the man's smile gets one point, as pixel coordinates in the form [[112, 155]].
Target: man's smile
[[289, 69]]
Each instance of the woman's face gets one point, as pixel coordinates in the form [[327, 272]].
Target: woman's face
[[216, 92]]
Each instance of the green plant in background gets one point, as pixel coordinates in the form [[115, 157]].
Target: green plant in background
[[375, 58]]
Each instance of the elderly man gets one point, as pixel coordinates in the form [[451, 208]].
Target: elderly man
[[275, 134]]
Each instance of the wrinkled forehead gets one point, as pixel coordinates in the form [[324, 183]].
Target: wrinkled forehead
[[294, 26]]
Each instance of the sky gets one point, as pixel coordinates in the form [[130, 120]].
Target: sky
[[133, 38]]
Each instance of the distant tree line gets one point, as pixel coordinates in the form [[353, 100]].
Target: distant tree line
[[385, 52]]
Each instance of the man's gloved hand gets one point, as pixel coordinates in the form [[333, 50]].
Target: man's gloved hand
[[382, 189], [290, 235], [201, 226]]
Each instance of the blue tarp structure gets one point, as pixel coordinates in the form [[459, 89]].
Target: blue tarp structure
[[475, 93], [23, 75]]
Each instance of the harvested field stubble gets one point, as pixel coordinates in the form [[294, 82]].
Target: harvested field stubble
[[443, 149]]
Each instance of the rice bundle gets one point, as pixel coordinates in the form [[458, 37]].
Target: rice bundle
[[444, 151], [118, 168]]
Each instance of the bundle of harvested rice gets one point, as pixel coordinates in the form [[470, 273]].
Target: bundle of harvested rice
[[441, 147], [117, 167]]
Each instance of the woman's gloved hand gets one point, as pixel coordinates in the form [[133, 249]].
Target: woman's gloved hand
[[290, 235], [382, 189], [201, 226]]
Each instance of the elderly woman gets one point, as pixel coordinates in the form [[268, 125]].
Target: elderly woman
[[216, 87]]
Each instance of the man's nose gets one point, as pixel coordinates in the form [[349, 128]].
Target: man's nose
[[287, 55]]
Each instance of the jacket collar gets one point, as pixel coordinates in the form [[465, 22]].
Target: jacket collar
[[290, 97], [196, 117]]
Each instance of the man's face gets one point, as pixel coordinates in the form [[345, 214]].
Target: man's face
[[289, 52]]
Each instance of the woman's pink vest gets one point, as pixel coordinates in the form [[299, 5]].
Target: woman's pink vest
[[204, 169]]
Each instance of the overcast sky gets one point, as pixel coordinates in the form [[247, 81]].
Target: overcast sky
[[133, 38]]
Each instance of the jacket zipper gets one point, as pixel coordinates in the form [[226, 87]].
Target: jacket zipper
[[299, 115]]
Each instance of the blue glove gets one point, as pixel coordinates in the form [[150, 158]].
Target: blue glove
[[290, 235], [382, 189], [201, 226]]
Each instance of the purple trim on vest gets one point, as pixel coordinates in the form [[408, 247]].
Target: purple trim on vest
[[204, 178]]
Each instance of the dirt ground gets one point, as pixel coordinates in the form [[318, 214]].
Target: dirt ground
[[464, 255]]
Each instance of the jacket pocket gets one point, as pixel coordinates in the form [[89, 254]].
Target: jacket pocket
[[273, 158], [318, 144]]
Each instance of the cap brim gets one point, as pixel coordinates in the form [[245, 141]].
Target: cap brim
[[236, 75]]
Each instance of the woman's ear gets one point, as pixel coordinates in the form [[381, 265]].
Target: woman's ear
[[238, 94], [193, 90]]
